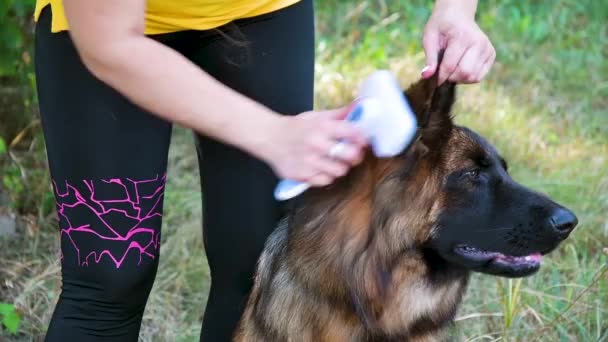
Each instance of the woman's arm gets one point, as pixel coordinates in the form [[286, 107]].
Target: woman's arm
[[109, 36]]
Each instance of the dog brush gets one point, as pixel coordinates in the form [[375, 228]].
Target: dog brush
[[383, 113]]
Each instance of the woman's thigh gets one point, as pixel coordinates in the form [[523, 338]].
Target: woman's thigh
[[274, 65]]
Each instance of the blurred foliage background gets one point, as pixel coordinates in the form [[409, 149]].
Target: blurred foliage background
[[544, 105]]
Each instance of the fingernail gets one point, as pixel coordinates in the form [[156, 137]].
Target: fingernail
[[425, 69]]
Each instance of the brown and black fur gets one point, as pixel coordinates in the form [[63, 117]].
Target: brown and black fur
[[368, 258]]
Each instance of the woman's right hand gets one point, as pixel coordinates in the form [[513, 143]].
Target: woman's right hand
[[300, 147]]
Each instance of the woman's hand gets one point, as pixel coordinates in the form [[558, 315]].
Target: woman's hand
[[302, 147], [468, 55]]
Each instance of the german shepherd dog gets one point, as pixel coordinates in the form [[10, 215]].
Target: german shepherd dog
[[385, 252]]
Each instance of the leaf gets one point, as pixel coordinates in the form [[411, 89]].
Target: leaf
[[10, 317], [2, 150], [4, 7], [5, 308], [11, 321]]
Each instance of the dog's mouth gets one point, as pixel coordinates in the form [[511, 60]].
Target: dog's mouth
[[499, 263]]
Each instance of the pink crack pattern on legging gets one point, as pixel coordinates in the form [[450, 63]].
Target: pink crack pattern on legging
[[88, 211]]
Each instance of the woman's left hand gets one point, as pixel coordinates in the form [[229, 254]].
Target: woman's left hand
[[468, 55]]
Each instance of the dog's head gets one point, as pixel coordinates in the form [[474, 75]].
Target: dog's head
[[479, 217]]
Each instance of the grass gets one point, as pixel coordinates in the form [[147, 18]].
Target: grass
[[544, 106]]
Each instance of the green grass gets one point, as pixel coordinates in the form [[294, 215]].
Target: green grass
[[544, 105]]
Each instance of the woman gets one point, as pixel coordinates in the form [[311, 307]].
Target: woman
[[112, 83]]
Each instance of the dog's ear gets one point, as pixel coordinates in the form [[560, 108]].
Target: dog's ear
[[432, 105]]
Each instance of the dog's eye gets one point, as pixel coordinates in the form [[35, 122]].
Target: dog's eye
[[474, 174]]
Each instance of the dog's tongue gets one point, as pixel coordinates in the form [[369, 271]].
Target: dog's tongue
[[534, 257], [483, 255]]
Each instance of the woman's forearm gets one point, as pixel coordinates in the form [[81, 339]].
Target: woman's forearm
[[467, 7], [109, 36], [170, 86]]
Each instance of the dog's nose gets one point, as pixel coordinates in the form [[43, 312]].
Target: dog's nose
[[563, 221]]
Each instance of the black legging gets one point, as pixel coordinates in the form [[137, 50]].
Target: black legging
[[108, 161]]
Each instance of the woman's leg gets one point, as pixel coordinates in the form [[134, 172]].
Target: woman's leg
[[107, 161], [276, 68]]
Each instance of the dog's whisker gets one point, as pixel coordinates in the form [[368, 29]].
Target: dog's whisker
[[495, 239], [492, 229], [515, 250]]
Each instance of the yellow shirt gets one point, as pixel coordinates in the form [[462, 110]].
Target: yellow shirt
[[164, 16]]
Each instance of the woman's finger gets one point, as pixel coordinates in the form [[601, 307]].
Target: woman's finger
[[331, 167], [345, 152], [335, 114], [451, 58], [430, 42], [469, 65], [487, 64], [320, 179], [344, 130]]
